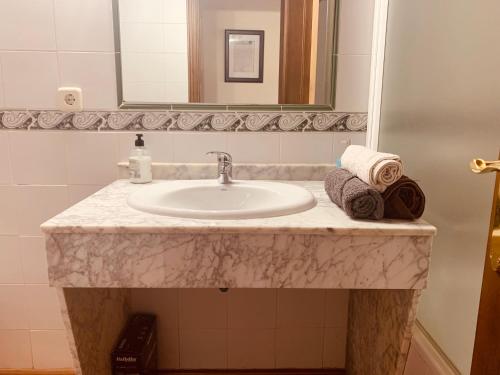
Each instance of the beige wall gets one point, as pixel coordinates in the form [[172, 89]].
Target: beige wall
[[441, 109], [219, 15]]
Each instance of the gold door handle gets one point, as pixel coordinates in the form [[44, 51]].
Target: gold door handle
[[495, 251], [482, 166]]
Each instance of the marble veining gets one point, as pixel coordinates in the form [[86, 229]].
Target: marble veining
[[380, 330], [107, 212], [93, 319], [238, 261]]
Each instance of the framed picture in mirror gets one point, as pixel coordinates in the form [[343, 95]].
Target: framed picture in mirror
[[244, 56]]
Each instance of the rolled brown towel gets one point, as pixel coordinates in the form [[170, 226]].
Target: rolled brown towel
[[403, 200], [358, 199]]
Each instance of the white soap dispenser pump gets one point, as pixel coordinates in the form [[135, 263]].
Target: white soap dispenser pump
[[139, 163]]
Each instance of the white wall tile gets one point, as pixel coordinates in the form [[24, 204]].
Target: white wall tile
[[336, 307], [301, 308], [254, 147], [192, 147], [136, 11], [177, 92], [142, 37], [94, 73], [27, 25], [251, 348], [9, 216], [164, 303], [36, 204], [34, 260], [160, 144], [305, 148], [84, 25], [174, 11], [334, 347], [154, 67], [299, 347], [50, 349], [341, 140], [202, 309], [144, 67], [15, 347], [11, 271], [43, 307], [177, 67], [168, 349], [77, 193], [175, 37], [30, 79], [252, 308], [1, 85], [203, 348], [92, 158], [355, 27], [353, 82], [149, 92], [5, 164], [13, 314], [38, 157]]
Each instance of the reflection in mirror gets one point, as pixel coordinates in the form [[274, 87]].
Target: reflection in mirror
[[227, 51]]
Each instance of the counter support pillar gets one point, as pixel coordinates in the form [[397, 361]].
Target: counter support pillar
[[93, 318], [380, 331]]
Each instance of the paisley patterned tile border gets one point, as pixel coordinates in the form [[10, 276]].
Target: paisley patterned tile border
[[183, 121]]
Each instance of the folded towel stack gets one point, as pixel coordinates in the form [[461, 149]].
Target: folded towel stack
[[377, 169], [357, 199], [371, 185], [404, 200]]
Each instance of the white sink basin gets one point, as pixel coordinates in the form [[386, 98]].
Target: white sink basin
[[207, 199]]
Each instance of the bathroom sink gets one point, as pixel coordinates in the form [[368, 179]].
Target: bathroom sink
[[208, 199]]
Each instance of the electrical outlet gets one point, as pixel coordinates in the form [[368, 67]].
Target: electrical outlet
[[69, 99]]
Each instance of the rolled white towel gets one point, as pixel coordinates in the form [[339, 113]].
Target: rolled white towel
[[378, 169]]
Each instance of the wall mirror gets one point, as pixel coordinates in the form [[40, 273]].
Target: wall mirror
[[226, 53]]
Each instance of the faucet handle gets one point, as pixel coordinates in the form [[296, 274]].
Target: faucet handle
[[225, 167], [222, 157]]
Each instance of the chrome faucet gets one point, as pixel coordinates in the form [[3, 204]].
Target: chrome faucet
[[225, 167]]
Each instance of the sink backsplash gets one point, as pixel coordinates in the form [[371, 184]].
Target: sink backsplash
[[195, 171]]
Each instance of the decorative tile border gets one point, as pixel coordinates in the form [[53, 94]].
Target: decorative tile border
[[184, 121]]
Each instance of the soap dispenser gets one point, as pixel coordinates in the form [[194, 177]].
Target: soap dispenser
[[139, 163]]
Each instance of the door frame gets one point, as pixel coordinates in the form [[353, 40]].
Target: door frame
[[295, 67], [376, 72], [488, 321]]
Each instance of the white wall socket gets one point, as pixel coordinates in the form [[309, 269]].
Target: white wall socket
[[69, 99]]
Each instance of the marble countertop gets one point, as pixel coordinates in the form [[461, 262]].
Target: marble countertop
[[107, 212]]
